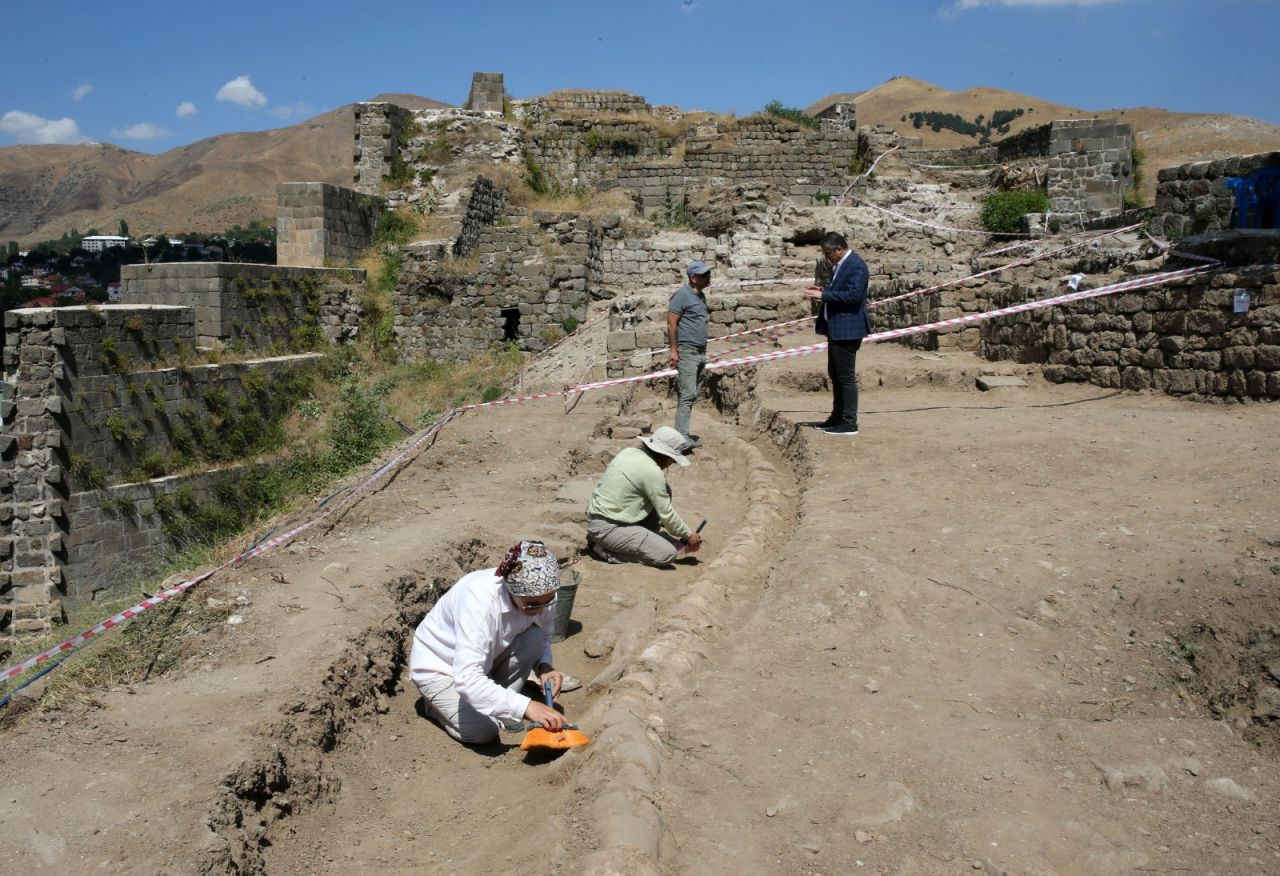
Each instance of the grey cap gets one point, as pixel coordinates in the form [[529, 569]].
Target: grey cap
[[698, 267]]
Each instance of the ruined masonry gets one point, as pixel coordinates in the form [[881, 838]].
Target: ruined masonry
[[122, 423]]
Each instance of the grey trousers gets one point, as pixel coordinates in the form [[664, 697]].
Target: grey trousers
[[691, 370], [641, 542], [456, 716]]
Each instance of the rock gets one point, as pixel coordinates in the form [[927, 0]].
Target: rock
[[988, 382], [1267, 704], [1187, 765], [1228, 788], [1273, 669], [862, 836], [771, 811], [337, 569], [601, 643], [1148, 777], [235, 620], [872, 686], [875, 805]]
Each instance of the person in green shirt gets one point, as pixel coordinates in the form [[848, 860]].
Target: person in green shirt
[[633, 499]]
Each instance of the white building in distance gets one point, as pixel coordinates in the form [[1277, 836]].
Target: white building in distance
[[99, 242]]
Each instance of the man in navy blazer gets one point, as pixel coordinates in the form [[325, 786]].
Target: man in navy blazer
[[843, 319]]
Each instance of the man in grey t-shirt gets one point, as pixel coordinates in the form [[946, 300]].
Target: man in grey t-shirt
[[687, 339]]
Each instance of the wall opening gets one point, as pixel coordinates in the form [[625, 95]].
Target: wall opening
[[511, 323]]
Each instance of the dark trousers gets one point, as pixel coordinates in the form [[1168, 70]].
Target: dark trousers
[[842, 357]]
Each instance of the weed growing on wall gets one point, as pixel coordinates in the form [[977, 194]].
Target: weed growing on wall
[[1002, 212], [791, 114], [1133, 199]]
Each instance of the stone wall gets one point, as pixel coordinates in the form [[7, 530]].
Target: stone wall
[[1191, 199], [637, 327], [121, 533], [1184, 339], [1031, 143], [487, 93], [1090, 165], [248, 306], [104, 396], [320, 225], [571, 103], [379, 132], [576, 152], [484, 209], [627, 264], [520, 284]]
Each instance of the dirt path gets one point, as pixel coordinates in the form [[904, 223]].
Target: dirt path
[[966, 656], [982, 637]]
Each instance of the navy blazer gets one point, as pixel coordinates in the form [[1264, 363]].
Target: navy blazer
[[844, 301]]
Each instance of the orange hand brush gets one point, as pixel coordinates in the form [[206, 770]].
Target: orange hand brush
[[541, 737]]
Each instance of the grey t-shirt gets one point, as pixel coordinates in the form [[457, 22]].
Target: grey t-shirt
[[692, 307]]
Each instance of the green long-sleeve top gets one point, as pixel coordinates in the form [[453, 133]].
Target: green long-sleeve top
[[633, 487]]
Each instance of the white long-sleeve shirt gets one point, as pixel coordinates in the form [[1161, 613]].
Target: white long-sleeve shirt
[[463, 635]]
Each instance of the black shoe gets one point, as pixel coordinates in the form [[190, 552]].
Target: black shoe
[[825, 424], [842, 429]]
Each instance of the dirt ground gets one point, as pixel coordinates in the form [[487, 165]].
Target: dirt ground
[[1022, 631]]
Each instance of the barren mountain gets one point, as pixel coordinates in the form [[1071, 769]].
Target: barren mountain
[[204, 186], [1166, 138], [215, 183]]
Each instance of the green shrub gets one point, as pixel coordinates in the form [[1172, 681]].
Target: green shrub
[[613, 142], [569, 324], [776, 109], [534, 175], [1002, 212], [394, 228], [358, 427]]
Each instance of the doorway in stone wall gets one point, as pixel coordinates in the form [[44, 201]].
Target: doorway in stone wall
[[511, 323]]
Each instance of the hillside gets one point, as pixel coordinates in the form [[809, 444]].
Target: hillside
[[204, 186], [1167, 138], [215, 183]]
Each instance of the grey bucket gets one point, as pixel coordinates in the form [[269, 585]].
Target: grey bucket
[[565, 595]]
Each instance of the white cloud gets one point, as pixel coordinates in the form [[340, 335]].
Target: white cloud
[[29, 128], [298, 110], [241, 91], [81, 91], [141, 131], [185, 110], [965, 5]]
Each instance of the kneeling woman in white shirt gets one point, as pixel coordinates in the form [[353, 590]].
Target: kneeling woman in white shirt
[[473, 651]]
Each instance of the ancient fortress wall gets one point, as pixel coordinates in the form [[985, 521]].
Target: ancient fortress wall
[[523, 284], [378, 132], [1188, 339], [318, 224], [246, 306], [1090, 165], [1192, 198], [122, 426]]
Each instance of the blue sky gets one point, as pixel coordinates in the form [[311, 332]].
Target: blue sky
[[152, 76]]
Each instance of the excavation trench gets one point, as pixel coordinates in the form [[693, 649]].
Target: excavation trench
[[316, 764]]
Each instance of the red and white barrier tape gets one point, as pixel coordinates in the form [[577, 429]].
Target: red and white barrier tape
[[934, 225], [256, 550], [1137, 283], [128, 614], [881, 301], [950, 166], [1017, 264], [843, 198]]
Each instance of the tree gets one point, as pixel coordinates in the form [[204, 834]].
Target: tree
[[124, 228]]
